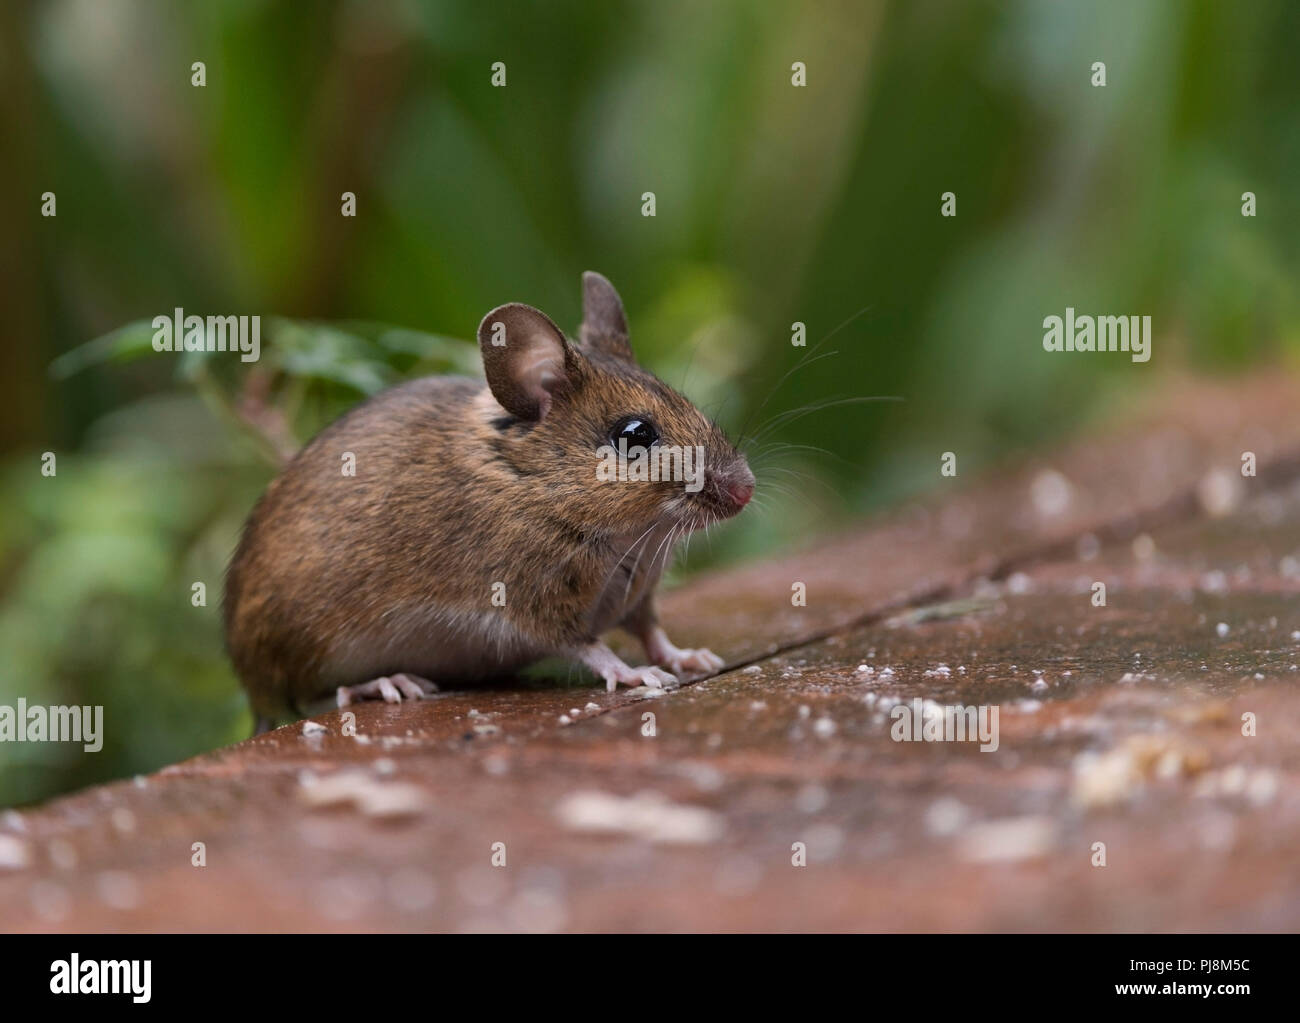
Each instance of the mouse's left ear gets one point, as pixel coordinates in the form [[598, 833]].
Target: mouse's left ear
[[604, 326], [526, 359]]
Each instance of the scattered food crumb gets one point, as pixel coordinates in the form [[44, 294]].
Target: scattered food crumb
[[811, 798], [646, 815], [122, 819], [63, 854], [1106, 779], [946, 816], [371, 797], [1259, 787], [117, 889], [1051, 493], [1214, 581], [1019, 584], [1199, 712], [1219, 492], [1016, 838], [14, 853]]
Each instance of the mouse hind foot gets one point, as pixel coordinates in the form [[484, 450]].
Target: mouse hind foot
[[389, 688]]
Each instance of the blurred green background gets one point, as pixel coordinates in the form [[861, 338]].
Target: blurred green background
[[774, 204]]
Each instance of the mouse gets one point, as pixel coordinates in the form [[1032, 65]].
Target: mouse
[[450, 530]]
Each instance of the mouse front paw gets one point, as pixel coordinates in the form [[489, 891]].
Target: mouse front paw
[[610, 667], [389, 688], [654, 678], [661, 650], [692, 662]]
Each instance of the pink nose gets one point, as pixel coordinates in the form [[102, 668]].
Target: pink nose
[[741, 492]]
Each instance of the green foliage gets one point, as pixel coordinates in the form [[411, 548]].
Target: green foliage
[[775, 204], [99, 603]]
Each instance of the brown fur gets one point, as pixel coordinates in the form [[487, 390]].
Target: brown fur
[[341, 579]]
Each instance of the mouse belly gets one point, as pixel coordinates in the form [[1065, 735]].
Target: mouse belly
[[440, 645]]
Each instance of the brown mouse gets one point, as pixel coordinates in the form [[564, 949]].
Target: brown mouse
[[485, 525]]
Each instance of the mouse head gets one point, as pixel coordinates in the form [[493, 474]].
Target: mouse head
[[614, 448]]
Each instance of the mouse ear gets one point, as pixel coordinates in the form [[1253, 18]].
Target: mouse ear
[[526, 359], [604, 326]]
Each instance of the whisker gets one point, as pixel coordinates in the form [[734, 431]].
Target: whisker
[[793, 415], [806, 360]]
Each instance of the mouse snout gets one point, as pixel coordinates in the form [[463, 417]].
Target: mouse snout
[[740, 491], [735, 486]]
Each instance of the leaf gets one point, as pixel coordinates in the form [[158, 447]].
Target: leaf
[[123, 345], [445, 352]]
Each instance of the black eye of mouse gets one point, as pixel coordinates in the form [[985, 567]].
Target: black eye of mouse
[[634, 432]]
